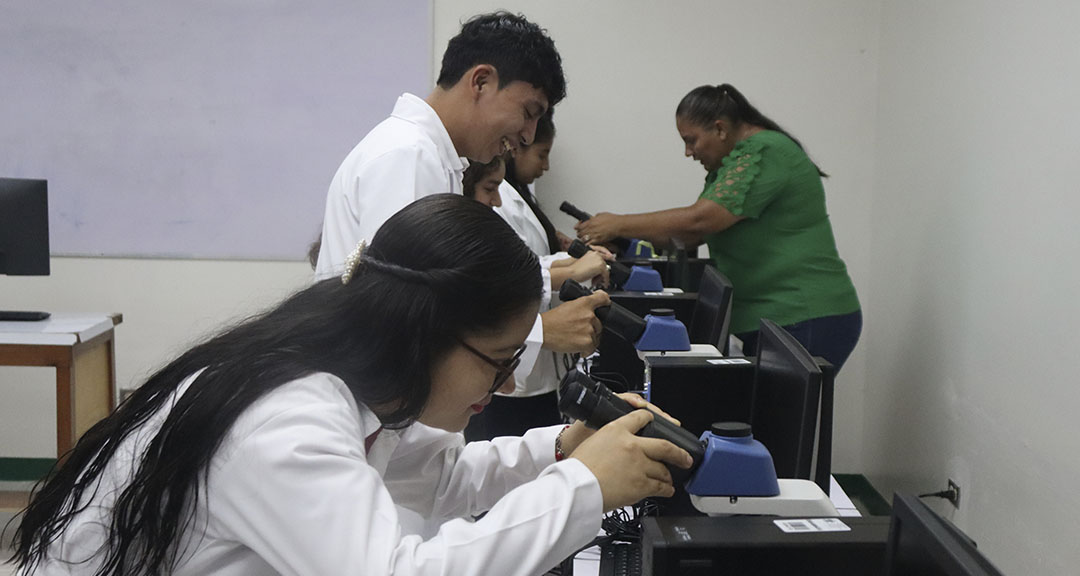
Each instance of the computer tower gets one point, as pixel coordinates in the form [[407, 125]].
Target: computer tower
[[617, 362], [701, 390], [642, 303], [756, 546]]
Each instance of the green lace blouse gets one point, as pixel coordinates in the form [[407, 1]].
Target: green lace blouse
[[782, 256]]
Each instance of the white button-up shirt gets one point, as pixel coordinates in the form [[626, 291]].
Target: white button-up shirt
[[292, 490], [406, 157]]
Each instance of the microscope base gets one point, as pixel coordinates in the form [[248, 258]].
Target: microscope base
[[797, 498]]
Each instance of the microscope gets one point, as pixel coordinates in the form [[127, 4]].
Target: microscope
[[732, 474]]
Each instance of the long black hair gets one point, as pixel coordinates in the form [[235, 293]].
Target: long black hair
[[705, 105], [545, 134], [442, 267]]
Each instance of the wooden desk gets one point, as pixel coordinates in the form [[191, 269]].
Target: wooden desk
[[80, 347]]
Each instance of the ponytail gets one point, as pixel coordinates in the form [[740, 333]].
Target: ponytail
[[707, 104]]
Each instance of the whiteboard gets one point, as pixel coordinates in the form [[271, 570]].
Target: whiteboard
[[202, 128]]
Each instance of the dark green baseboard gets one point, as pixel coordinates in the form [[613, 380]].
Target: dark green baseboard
[[25, 469], [866, 499]]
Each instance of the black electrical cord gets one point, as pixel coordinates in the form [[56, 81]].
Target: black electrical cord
[[949, 494]]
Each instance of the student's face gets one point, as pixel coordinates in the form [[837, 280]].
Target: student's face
[[487, 189], [531, 162], [706, 144], [505, 118], [461, 381]]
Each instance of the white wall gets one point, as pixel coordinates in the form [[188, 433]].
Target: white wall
[[972, 345], [167, 304], [809, 66]]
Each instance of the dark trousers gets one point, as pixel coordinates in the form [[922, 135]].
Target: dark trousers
[[510, 416], [831, 337]]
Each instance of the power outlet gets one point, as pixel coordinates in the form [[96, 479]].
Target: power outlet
[[953, 494]]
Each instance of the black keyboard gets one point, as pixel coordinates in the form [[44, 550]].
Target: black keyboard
[[22, 316], [620, 559]]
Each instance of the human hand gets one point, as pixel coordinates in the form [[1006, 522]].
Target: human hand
[[628, 467], [573, 327], [564, 241], [589, 267], [639, 402], [603, 251], [599, 229], [579, 432]]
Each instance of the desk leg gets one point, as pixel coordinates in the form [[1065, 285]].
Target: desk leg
[[65, 400], [93, 386]]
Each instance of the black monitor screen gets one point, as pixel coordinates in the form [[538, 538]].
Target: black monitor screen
[[24, 227], [924, 544], [712, 312], [787, 389]]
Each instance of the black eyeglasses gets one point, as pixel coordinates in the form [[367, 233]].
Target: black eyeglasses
[[503, 370]]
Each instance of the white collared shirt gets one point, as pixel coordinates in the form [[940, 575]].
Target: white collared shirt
[[406, 157], [543, 376], [291, 490]]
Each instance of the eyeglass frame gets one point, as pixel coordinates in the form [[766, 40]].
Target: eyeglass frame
[[503, 370]]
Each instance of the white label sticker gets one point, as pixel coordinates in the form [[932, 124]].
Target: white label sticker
[[811, 525], [728, 361], [791, 526], [831, 525]]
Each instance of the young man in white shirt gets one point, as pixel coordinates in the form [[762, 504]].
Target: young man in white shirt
[[499, 75]]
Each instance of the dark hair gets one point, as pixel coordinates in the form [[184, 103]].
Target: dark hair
[[313, 251], [707, 104], [476, 172], [517, 48], [442, 267], [545, 134]]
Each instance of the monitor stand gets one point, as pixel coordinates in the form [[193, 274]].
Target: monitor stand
[[22, 316]]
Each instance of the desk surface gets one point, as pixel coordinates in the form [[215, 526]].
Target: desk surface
[[58, 329]]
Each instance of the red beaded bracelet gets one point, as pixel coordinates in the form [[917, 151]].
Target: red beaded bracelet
[[559, 454]]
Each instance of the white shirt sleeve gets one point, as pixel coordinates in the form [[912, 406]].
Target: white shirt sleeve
[[365, 195], [534, 342], [298, 490]]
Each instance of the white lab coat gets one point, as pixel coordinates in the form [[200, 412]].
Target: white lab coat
[[544, 376], [406, 157], [292, 491]]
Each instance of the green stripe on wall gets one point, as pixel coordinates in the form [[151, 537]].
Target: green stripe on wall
[[25, 469], [865, 497]]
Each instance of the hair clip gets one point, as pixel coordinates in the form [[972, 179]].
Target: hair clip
[[353, 261]]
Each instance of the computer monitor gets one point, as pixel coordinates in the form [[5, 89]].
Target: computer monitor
[[24, 233], [712, 310], [924, 544], [792, 411]]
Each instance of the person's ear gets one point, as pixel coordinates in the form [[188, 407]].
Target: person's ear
[[722, 128], [482, 77]]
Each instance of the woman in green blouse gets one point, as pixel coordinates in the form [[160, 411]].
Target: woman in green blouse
[[763, 215]]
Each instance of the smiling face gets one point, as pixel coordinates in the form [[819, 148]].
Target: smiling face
[[708, 144], [531, 162], [461, 380], [486, 190], [503, 118]]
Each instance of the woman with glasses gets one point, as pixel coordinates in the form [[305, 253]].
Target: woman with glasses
[[286, 444]]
